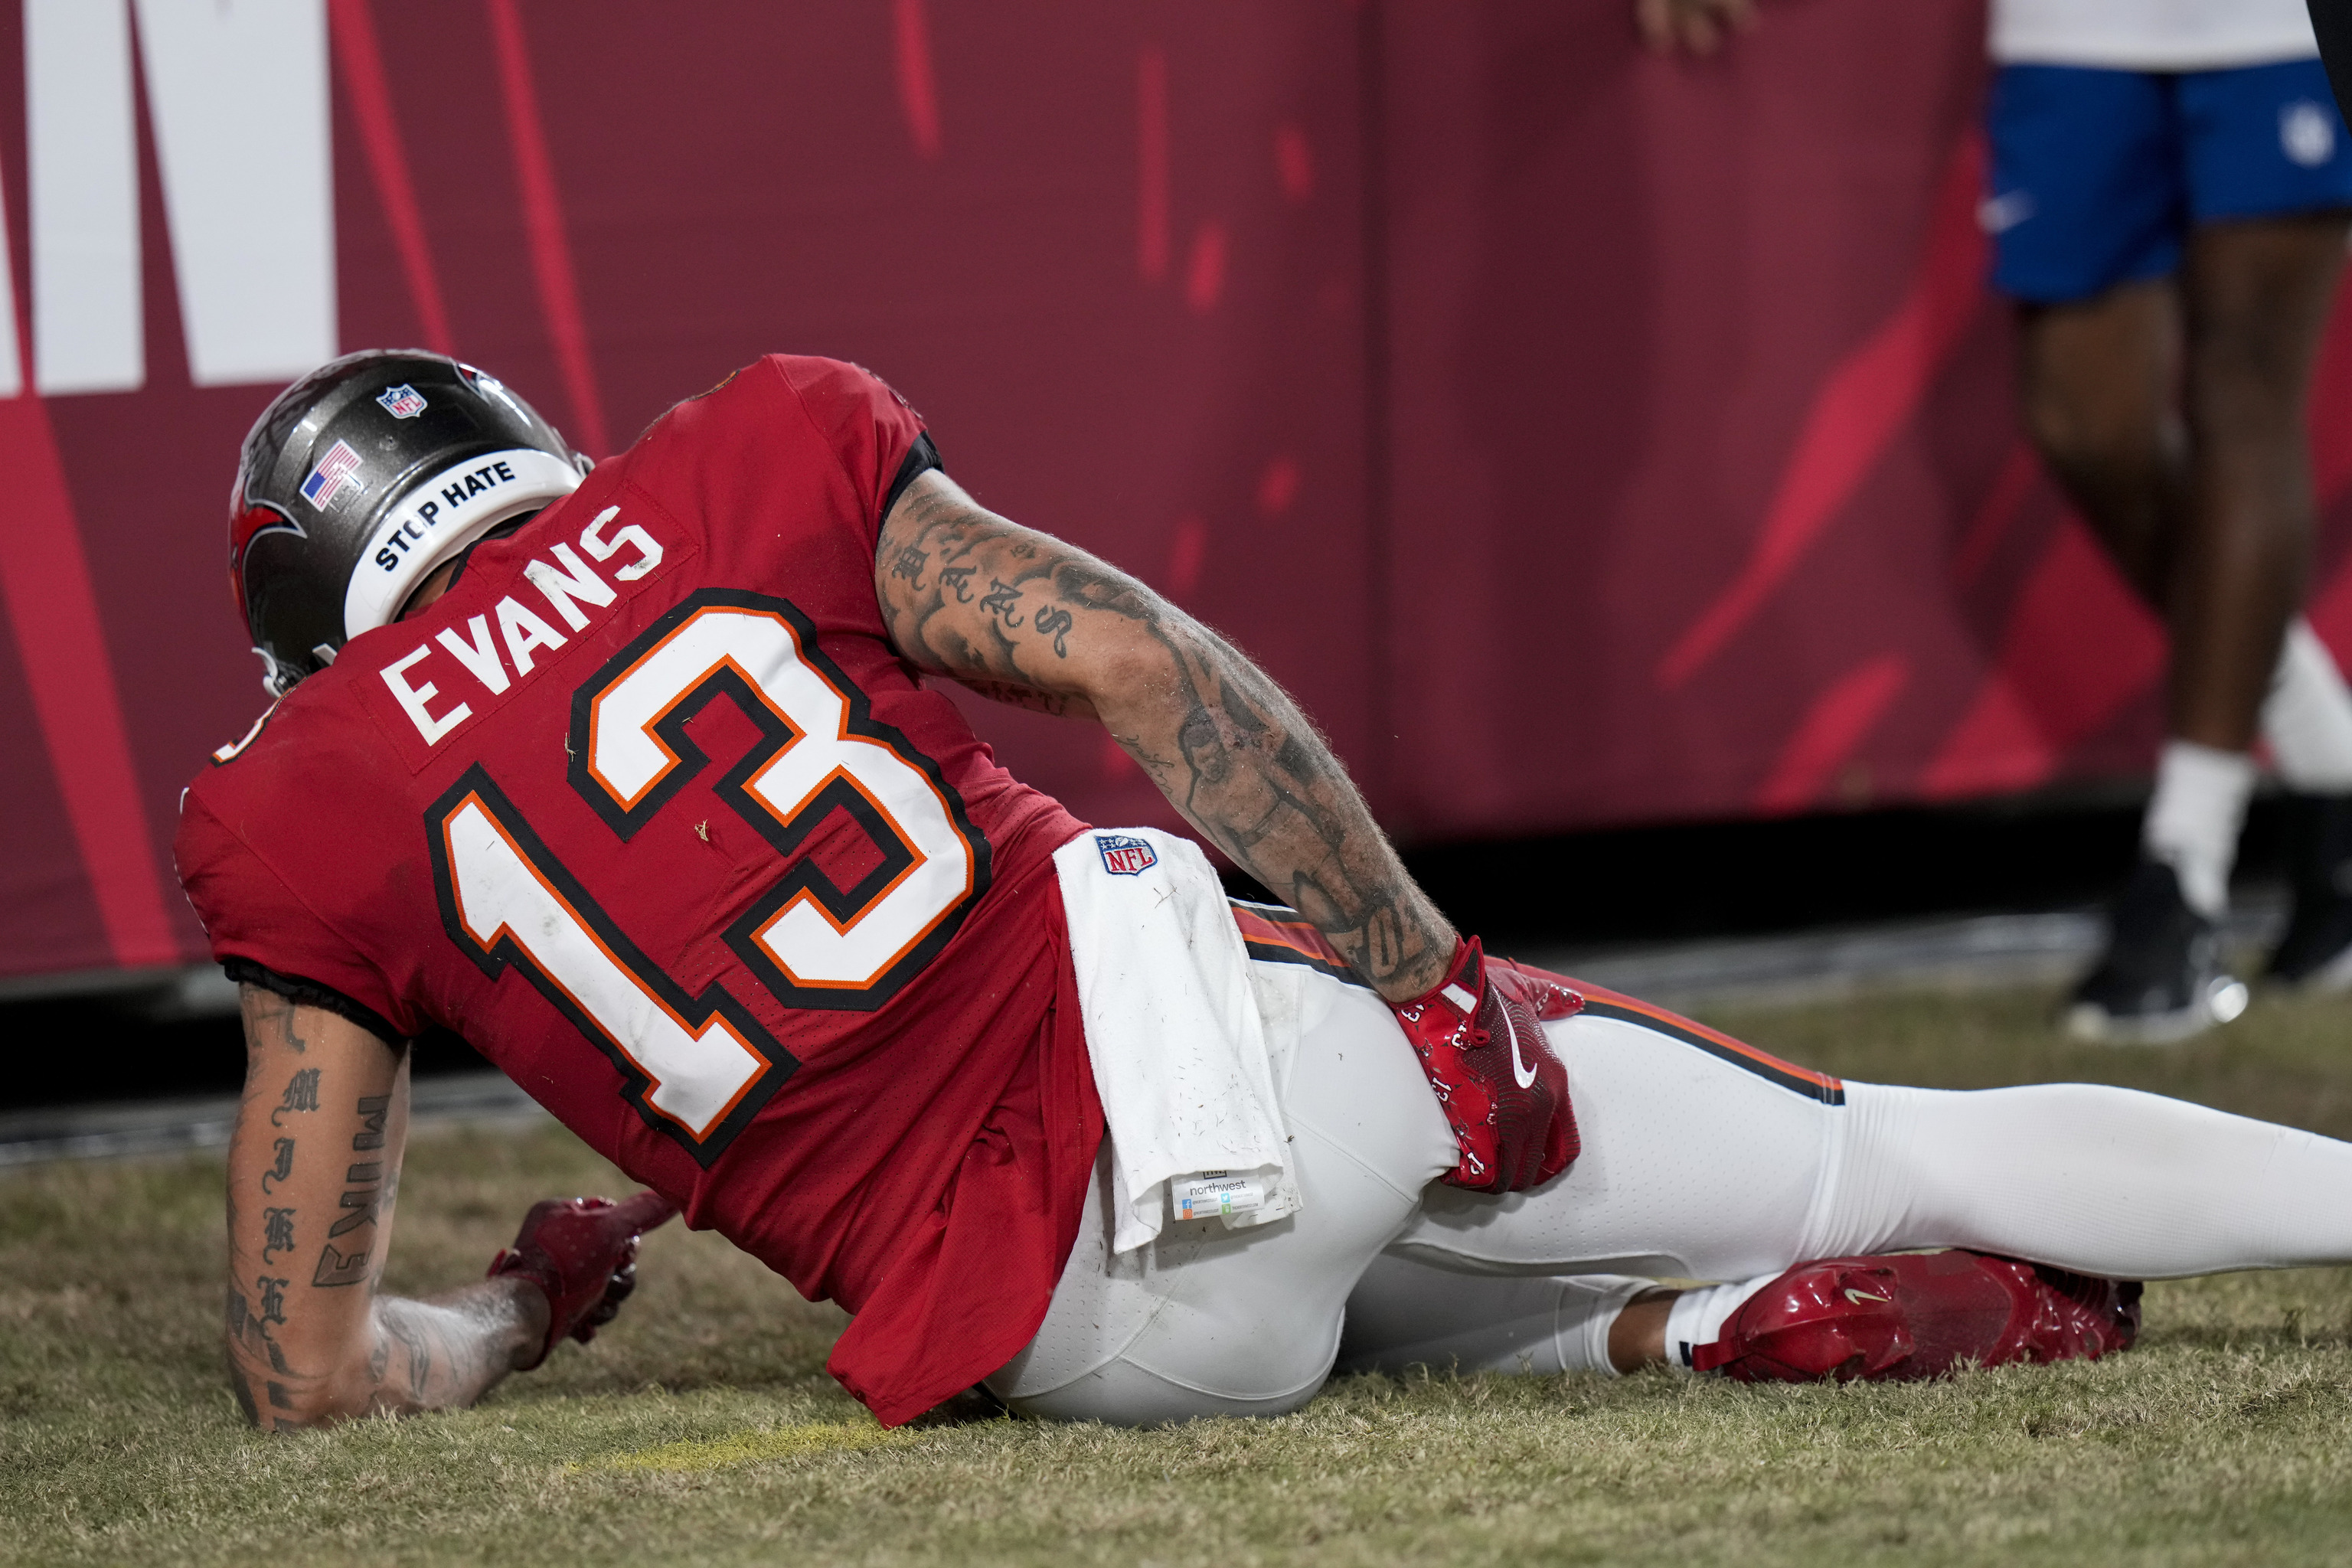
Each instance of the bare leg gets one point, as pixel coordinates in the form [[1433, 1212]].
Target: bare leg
[[2097, 385], [2257, 296], [1638, 1338], [2172, 415]]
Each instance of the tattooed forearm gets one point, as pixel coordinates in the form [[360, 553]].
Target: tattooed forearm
[[1249, 769], [313, 1166], [1021, 617], [423, 1356], [447, 1352]]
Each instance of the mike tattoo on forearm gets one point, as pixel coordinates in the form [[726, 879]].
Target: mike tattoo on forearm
[[1020, 616]]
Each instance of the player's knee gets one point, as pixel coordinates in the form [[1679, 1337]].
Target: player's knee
[[2093, 441], [2246, 384]]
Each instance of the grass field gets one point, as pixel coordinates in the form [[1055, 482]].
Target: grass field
[[702, 1428]]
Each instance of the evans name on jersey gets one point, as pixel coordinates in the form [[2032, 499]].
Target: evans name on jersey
[[567, 583]]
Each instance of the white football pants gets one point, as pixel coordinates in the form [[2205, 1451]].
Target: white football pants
[[1697, 1164]]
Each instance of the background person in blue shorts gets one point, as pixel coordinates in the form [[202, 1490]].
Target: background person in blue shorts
[[2168, 199]]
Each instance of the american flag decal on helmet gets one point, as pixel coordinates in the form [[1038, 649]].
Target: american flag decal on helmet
[[1123, 857], [339, 467]]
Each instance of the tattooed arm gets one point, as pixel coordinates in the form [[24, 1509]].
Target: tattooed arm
[[313, 1169], [1024, 618]]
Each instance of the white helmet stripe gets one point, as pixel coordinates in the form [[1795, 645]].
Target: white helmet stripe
[[441, 516]]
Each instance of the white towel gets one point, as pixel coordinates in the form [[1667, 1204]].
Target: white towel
[[1173, 1031]]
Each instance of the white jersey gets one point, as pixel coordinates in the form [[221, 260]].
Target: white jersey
[[2151, 35]]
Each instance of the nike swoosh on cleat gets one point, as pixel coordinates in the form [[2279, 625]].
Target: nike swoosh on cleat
[[1859, 1297], [1524, 1074]]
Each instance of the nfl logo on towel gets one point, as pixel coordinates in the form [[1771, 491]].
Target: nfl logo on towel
[[402, 402], [339, 467], [1124, 856]]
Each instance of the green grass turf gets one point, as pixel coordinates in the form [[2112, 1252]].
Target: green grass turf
[[701, 1427]]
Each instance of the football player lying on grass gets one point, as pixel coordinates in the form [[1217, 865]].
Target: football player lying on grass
[[641, 779]]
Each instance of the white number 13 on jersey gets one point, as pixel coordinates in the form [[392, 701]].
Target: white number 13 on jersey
[[700, 1066]]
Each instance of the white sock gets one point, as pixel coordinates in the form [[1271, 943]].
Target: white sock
[[1697, 1317], [2307, 718], [2192, 822]]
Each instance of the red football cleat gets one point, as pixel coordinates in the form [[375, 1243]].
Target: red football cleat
[[582, 1253], [1918, 1315]]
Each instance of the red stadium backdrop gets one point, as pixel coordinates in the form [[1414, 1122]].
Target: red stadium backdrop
[[1586, 437]]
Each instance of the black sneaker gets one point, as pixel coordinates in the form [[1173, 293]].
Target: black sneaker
[[2317, 951], [2162, 978]]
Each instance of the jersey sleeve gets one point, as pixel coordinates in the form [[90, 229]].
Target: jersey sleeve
[[258, 926], [873, 432]]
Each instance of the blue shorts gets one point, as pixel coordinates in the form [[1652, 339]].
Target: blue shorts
[[2097, 176]]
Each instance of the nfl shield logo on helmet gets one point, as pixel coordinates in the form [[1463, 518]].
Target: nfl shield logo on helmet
[[402, 402], [339, 467], [1124, 857]]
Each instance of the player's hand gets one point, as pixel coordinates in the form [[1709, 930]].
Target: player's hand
[[1698, 25], [582, 1252], [1481, 1040]]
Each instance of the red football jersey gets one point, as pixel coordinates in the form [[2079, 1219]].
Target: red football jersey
[[647, 809]]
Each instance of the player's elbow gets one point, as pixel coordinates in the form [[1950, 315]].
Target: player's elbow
[[272, 1406], [272, 1403], [242, 1386], [1156, 660], [276, 1398], [1138, 666], [1139, 684]]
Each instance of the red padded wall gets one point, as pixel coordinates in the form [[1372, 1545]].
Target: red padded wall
[[1585, 437]]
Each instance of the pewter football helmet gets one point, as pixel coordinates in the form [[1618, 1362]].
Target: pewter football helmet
[[361, 478]]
